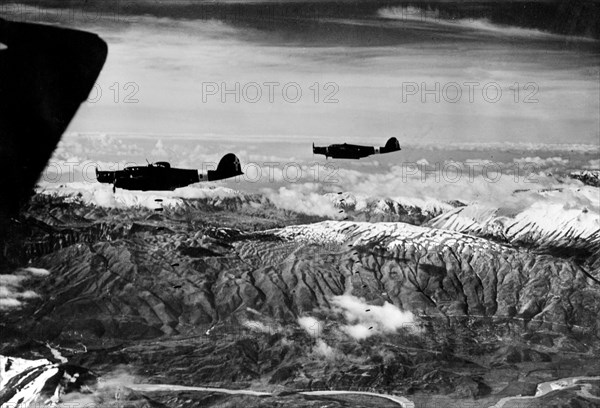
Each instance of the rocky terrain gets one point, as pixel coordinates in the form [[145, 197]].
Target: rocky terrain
[[588, 177], [363, 208], [235, 293]]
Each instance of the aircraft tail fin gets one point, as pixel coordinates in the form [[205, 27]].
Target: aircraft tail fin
[[392, 145], [320, 150], [228, 167]]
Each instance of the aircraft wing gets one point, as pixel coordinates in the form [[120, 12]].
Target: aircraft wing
[[45, 74]]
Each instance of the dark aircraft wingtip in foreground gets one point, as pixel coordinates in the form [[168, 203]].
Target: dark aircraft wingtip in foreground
[[351, 151], [46, 72], [161, 176]]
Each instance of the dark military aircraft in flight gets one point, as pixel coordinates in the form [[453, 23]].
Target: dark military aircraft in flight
[[351, 151], [161, 176]]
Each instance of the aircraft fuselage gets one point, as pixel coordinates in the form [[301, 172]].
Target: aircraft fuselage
[[161, 176], [352, 151], [151, 177]]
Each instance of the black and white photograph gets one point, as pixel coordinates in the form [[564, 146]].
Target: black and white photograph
[[299, 203]]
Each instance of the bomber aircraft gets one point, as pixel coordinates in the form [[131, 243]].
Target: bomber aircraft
[[351, 151], [161, 176]]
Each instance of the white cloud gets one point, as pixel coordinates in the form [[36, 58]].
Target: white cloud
[[505, 146], [9, 303], [12, 292], [357, 331], [311, 325], [302, 198], [368, 319], [405, 182], [37, 271], [314, 328], [325, 350], [593, 164], [159, 150], [547, 162], [12, 280], [103, 196]]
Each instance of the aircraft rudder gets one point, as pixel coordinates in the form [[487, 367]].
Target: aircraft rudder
[[392, 145], [229, 166]]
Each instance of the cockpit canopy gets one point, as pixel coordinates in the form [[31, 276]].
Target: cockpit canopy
[[161, 164]]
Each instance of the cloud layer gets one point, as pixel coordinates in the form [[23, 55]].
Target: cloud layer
[[13, 291], [365, 320]]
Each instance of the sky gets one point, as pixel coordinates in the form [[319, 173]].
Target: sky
[[337, 75], [473, 87], [203, 78]]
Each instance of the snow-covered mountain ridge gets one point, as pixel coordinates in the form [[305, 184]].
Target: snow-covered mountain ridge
[[564, 217], [388, 236], [589, 177], [551, 221]]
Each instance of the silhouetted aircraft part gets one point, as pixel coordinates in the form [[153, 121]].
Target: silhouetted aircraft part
[[228, 167], [158, 200], [351, 151], [161, 176], [45, 74]]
